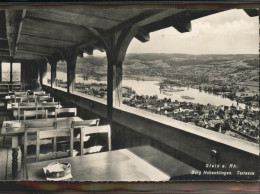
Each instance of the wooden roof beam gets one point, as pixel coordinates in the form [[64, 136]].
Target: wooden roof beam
[[49, 49], [11, 29], [252, 12], [4, 53], [28, 56], [47, 38], [4, 49], [69, 18], [19, 30], [29, 47], [142, 35], [88, 50], [182, 25], [146, 17], [97, 47], [34, 52]]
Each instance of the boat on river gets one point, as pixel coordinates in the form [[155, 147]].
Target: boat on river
[[187, 98]]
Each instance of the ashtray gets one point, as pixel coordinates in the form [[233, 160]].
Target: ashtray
[[14, 104], [13, 124], [57, 170]]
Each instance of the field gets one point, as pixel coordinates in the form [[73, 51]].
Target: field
[[216, 73]]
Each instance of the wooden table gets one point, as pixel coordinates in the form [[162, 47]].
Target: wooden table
[[14, 107], [17, 132], [143, 163]]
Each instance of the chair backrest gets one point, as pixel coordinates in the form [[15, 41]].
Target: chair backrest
[[26, 105], [28, 99], [41, 124], [47, 134], [20, 93], [35, 113], [38, 92], [30, 130], [40, 95], [85, 123], [45, 98], [17, 99], [5, 88], [94, 130], [16, 87], [50, 105], [63, 112]]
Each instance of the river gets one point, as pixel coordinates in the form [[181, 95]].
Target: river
[[152, 88]]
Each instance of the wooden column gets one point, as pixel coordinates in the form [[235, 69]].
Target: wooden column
[[71, 67], [43, 71], [114, 85], [53, 73], [0, 70], [116, 52], [116, 45], [11, 72]]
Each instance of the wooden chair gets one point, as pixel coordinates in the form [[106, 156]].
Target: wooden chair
[[18, 93], [17, 99], [35, 113], [65, 112], [28, 99], [51, 107], [30, 138], [30, 133], [38, 92], [47, 134], [16, 87], [5, 88], [85, 123], [26, 105], [45, 99], [45, 94], [76, 125], [94, 130]]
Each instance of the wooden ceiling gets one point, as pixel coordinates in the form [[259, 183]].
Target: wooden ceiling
[[39, 34]]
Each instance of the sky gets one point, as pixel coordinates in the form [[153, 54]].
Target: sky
[[228, 32]]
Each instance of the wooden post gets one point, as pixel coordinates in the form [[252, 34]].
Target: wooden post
[[71, 67], [0, 70], [53, 73], [11, 72], [114, 85], [115, 56], [116, 46], [43, 71]]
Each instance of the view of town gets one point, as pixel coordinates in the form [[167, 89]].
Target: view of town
[[224, 77], [218, 91]]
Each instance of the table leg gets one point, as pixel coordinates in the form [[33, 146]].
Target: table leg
[[15, 163], [15, 114], [14, 157]]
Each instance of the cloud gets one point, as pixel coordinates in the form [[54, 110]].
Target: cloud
[[229, 32]]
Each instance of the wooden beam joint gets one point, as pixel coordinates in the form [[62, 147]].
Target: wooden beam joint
[[142, 35], [182, 25], [252, 12]]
